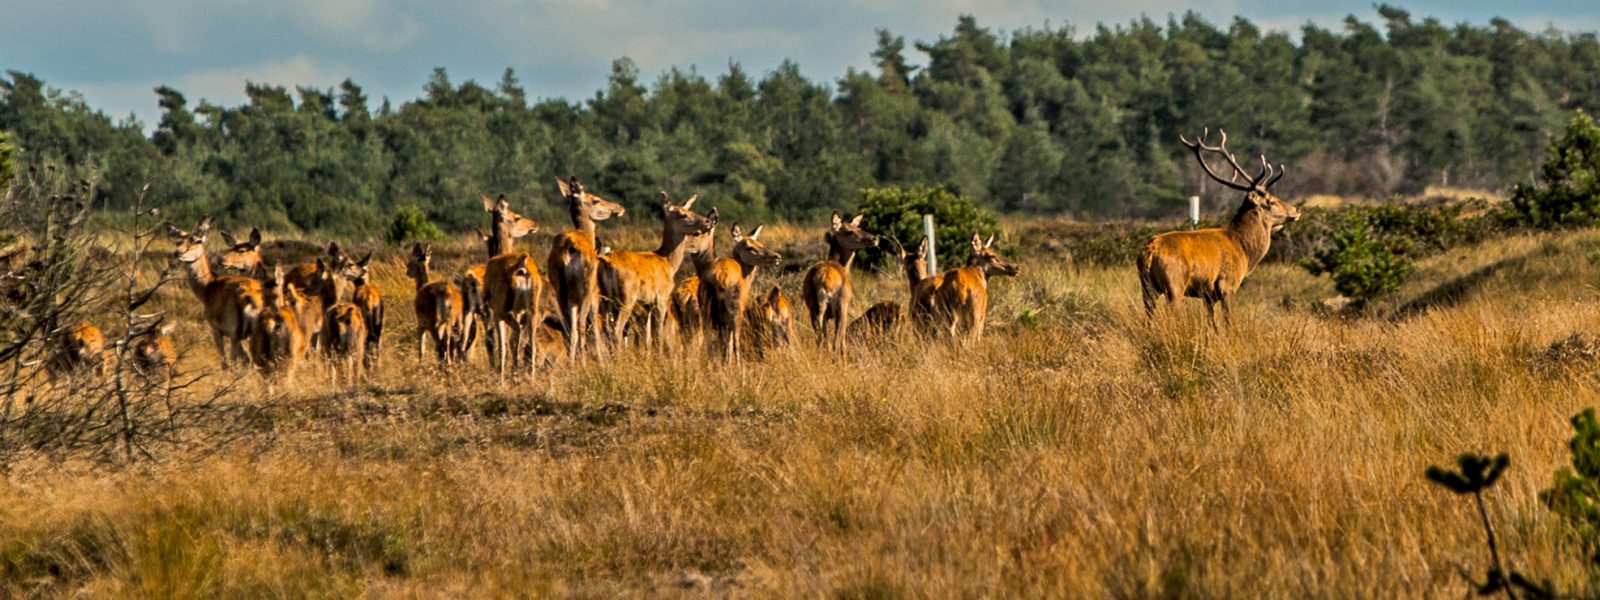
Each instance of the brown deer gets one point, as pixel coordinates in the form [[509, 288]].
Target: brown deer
[[309, 276], [629, 279], [725, 286], [231, 303], [923, 284], [771, 320], [686, 294], [881, 320], [510, 289], [346, 341], [827, 291], [153, 352], [438, 305], [242, 258], [77, 349], [1209, 264], [278, 342], [367, 299], [963, 295], [574, 266]]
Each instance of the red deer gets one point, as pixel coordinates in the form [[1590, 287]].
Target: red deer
[[881, 320], [771, 320], [629, 279], [826, 291], [511, 286], [242, 258], [370, 302], [308, 277], [438, 305], [77, 349], [963, 295], [153, 352], [725, 286], [1209, 264], [231, 303], [574, 266], [923, 284], [345, 338], [277, 343]]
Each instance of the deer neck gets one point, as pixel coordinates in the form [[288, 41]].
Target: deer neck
[[421, 278], [837, 252], [749, 272], [500, 240], [198, 275], [917, 272], [581, 221], [1250, 230], [703, 259], [672, 248]]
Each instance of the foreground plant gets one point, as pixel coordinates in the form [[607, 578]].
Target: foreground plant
[[1475, 474]]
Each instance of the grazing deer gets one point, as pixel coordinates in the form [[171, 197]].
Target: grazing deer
[[881, 320], [438, 305], [370, 303], [725, 286], [278, 342], [771, 320], [923, 284], [826, 291], [510, 289], [1209, 264], [153, 352], [574, 266], [77, 349], [242, 258], [231, 303], [963, 295], [629, 279], [346, 340]]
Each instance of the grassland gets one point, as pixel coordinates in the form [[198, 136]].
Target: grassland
[[1075, 451]]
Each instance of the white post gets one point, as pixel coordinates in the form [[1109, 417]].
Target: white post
[[1194, 212], [933, 258]]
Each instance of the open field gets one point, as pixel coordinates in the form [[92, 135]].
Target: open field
[[1075, 451]]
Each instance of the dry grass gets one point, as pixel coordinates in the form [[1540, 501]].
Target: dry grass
[[1075, 452]]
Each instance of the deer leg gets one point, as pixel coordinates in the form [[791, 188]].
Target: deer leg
[[624, 315], [573, 334], [597, 325], [222, 349]]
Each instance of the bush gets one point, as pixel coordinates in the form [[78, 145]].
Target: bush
[[897, 212], [410, 223], [1569, 192], [1362, 264], [1576, 492]]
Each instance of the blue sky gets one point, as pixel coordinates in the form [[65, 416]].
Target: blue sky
[[116, 51]]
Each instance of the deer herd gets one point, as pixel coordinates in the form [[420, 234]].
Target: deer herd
[[589, 297]]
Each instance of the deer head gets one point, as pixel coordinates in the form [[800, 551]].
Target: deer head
[[507, 224], [985, 257], [190, 246], [1258, 194], [584, 206], [356, 271], [680, 220], [417, 267], [848, 236], [274, 292], [241, 257], [749, 250], [915, 261]]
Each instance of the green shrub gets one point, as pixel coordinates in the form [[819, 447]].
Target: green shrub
[[409, 224], [1575, 494], [1362, 263], [1569, 190], [8, 166], [897, 212]]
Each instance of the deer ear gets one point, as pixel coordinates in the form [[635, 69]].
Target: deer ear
[[167, 327], [227, 238], [363, 262], [755, 234], [738, 232], [666, 200], [773, 295], [856, 220], [922, 247], [416, 248], [173, 231], [990, 242], [561, 184], [322, 267], [836, 222], [712, 217], [488, 205], [977, 241], [255, 238], [334, 250], [204, 226], [690, 201], [277, 274]]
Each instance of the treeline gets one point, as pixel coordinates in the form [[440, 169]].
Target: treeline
[[1036, 120]]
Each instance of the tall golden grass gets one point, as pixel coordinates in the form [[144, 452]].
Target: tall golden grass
[[1076, 450]]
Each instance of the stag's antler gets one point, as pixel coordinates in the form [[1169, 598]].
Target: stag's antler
[[1222, 148]]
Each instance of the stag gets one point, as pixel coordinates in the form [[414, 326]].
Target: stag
[[1209, 264]]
